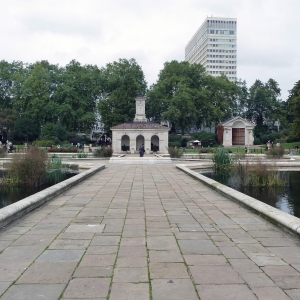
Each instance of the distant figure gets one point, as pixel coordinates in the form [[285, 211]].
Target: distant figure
[[142, 150], [10, 147]]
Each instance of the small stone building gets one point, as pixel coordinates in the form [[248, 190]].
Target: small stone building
[[130, 136], [238, 131]]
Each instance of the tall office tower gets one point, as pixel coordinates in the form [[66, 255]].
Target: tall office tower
[[214, 47]]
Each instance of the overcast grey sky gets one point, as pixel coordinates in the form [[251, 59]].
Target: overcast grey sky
[[152, 32]]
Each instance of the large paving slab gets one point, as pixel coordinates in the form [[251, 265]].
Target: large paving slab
[[146, 232]]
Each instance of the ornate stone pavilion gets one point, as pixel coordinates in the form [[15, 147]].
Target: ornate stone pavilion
[[238, 131], [128, 137]]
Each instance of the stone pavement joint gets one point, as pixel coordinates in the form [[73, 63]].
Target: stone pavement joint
[[146, 232]]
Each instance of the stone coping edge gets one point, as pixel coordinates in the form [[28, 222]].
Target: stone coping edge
[[22, 207], [276, 216]]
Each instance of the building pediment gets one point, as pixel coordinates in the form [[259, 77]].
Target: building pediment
[[230, 122]]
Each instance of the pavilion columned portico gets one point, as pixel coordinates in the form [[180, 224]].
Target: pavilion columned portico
[[130, 136]]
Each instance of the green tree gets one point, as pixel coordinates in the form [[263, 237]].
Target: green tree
[[77, 96], [177, 95], [123, 81], [263, 106], [9, 74], [36, 94], [26, 130], [8, 118], [294, 108], [224, 99], [54, 132]]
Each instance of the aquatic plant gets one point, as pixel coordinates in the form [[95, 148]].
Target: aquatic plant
[[221, 159], [28, 168], [257, 174], [175, 152]]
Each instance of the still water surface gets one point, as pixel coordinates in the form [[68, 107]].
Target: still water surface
[[286, 198], [13, 194]]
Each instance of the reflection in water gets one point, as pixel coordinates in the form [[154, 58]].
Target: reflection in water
[[286, 198], [9, 195]]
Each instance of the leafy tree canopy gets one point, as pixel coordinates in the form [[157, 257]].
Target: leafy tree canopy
[[186, 97], [294, 107], [263, 105], [123, 81], [26, 130]]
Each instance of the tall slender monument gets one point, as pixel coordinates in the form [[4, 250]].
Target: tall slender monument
[[140, 115]]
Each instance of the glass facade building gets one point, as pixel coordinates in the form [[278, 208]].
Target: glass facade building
[[214, 46]]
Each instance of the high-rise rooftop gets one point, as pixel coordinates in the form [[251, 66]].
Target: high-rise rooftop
[[214, 46]]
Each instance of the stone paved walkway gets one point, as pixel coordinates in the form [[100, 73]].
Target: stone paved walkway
[[146, 232]]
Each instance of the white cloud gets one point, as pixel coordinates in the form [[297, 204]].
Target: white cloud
[[152, 32]]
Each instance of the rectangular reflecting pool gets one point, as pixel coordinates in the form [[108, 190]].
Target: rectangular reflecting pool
[[286, 198], [10, 195]]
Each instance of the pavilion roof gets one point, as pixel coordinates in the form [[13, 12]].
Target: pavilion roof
[[140, 125]]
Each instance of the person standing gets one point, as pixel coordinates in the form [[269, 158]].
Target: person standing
[[142, 150]]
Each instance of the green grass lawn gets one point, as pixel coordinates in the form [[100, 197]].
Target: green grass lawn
[[290, 145], [287, 146]]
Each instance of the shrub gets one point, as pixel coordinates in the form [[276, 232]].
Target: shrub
[[221, 159], [25, 130], [269, 137], [175, 152], [207, 139], [56, 132], [59, 150], [206, 150], [43, 143], [257, 141], [275, 152], [82, 155], [174, 144], [103, 152], [175, 138], [184, 142]]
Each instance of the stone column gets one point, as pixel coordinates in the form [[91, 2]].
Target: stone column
[[132, 143], [147, 145]]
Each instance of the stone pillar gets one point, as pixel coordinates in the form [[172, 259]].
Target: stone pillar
[[147, 145], [227, 137], [132, 143]]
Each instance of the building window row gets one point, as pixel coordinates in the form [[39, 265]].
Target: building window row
[[221, 56], [222, 45], [221, 67], [211, 31], [221, 72], [220, 50], [223, 40], [222, 61], [222, 22]]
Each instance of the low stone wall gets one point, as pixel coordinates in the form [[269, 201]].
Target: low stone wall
[[22, 207], [276, 216]]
